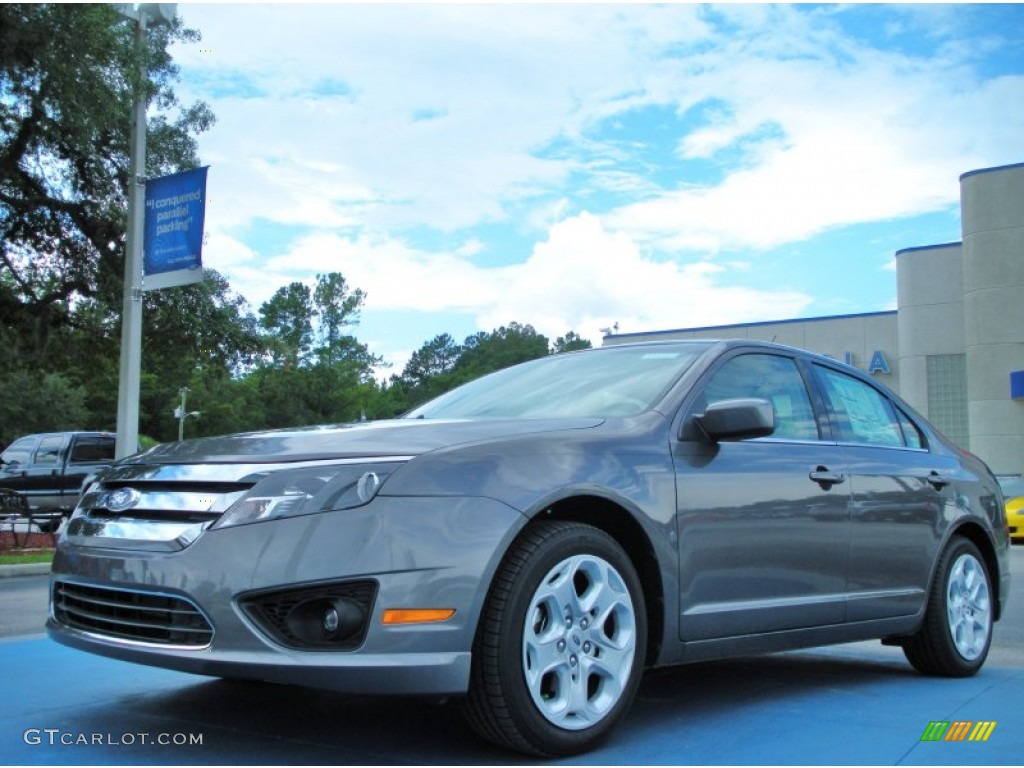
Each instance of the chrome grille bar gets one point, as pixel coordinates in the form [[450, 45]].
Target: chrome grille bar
[[144, 617]]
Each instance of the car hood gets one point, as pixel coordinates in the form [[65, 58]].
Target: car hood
[[399, 437]]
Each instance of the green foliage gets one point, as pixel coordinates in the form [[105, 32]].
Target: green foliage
[[203, 324], [68, 77], [320, 394], [288, 318], [146, 442], [508, 345], [441, 364], [64, 404], [337, 307], [68, 73], [571, 342]]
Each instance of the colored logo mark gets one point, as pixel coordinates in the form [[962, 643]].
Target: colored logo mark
[[958, 730]]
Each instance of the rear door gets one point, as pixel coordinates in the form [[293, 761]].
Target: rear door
[[763, 523], [900, 492]]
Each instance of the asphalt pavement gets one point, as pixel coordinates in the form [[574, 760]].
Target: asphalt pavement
[[23, 603], [858, 704]]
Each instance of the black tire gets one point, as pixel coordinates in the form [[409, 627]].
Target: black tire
[[955, 637], [593, 650]]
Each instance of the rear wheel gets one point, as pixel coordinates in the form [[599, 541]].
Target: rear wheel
[[560, 647], [957, 631]]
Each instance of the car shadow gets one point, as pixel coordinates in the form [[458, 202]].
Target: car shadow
[[269, 724]]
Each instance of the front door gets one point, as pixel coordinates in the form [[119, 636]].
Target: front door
[[43, 476], [763, 524]]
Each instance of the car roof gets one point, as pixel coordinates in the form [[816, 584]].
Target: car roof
[[39, 435], [724, 344]]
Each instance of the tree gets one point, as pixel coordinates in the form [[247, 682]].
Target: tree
[[319, 394], [337, 307], [199, 331], [441, 364], [434, 359], [68, 73], [427, 374], [65, 404], [288, 317], [571, 342], [505, 346]]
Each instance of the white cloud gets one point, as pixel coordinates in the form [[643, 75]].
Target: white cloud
[[370, 125], [580, 278], [856, 134], [583, 277]]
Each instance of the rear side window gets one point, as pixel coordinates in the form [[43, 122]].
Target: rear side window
[[863, 414], [89, 450], [911, 434], [773, 378]]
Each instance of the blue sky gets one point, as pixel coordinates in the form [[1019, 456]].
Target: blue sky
[[575, 166]]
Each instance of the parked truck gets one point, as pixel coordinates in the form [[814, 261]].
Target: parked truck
[[48, 469]]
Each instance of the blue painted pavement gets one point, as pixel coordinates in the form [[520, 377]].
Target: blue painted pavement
[[849, 705]]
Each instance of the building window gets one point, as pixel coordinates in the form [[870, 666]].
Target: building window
[[947, 396]]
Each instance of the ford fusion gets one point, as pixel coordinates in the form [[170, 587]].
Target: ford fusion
[[536, 538]]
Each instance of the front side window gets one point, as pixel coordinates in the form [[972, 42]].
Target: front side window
[[862, 413], [49, 449], [773, 378], [20, 451]]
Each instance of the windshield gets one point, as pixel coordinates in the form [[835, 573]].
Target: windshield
[[610, 381]]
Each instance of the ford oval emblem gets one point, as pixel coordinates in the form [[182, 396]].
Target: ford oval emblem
[[122, 499]]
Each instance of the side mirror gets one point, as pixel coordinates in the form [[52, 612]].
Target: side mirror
[[737, 419]]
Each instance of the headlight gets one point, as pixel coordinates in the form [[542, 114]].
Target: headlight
[[292, 492]]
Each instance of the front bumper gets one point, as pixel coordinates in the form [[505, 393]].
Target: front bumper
[[1015, 524], [419, 552]]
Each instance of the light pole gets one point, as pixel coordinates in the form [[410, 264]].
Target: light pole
[[131, 313], [181, 414]]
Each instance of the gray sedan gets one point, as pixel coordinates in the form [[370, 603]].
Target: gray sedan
[[536, 538]]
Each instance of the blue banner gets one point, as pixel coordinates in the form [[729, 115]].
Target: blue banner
[[173, 243]]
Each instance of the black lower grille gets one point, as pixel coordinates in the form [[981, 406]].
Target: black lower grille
[[291, 616], [147, 617]]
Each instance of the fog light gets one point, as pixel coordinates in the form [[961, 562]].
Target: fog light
[[326, 620], [331, 620]]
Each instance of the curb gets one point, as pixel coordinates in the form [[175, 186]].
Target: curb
[[28, 569]]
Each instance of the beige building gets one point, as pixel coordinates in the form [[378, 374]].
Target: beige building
[[954, 347]]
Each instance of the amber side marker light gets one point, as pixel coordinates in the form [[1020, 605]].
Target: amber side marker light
[[416, 615]]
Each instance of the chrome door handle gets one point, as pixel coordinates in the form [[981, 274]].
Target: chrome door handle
[[826, 478]]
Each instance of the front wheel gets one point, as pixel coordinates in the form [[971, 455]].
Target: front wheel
[[957, 631], [560, 647]]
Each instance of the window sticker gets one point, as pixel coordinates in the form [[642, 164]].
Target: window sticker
[[869, 420]]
